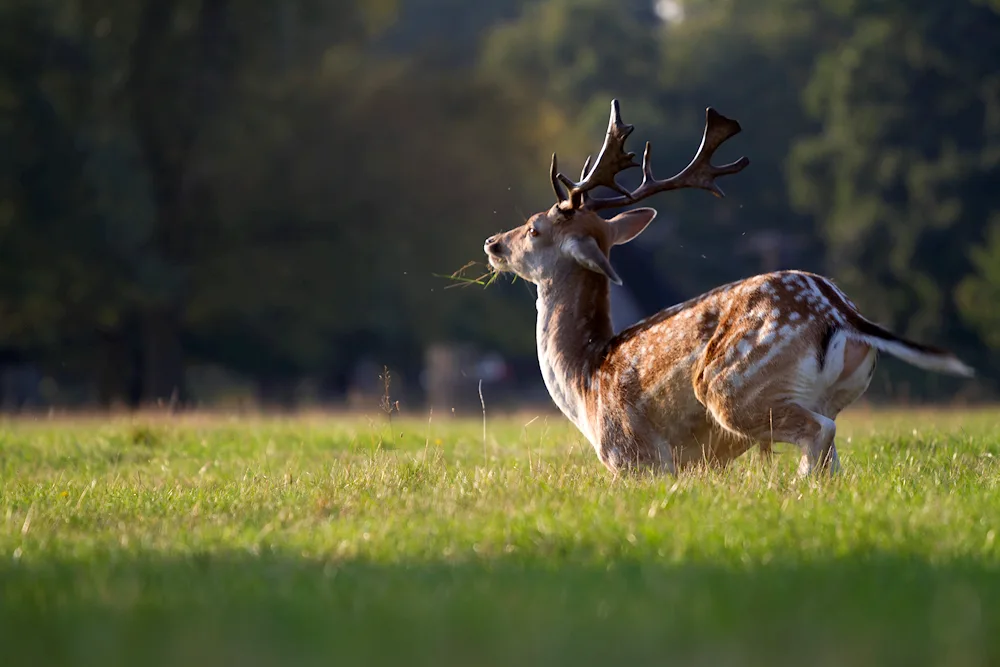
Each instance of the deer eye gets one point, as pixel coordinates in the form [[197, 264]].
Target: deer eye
[[532, 232]]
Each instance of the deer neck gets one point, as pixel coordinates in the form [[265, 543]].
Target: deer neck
[[573, 329]]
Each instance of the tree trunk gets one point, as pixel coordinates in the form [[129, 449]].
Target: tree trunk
[[168, 115]]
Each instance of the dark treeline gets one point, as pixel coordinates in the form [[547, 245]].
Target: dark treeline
[[201, 196]]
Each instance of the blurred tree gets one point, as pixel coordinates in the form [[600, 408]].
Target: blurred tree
[[59, 284], [377, 212], [748, 60], [446, 33], [567, 58], [273, 187], [898, 175], [175, 191], [979, 293]]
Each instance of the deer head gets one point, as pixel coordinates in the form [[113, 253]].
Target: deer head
[[571, 236]]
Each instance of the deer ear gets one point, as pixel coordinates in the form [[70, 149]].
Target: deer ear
[[589, 255], [626, 226]]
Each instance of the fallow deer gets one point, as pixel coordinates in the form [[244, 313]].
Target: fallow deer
[[772, 358]]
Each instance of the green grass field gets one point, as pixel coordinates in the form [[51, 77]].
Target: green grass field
[[317, 541]]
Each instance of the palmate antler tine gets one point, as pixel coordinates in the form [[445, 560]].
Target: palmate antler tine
[[611, 160], [700, 172]]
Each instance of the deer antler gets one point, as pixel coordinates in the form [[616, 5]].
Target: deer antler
[[700, 172], [611, 161]]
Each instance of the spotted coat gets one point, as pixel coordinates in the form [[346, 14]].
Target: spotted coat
[[773, 358]]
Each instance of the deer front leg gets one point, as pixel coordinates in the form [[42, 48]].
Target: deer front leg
[[634, 450], [766, 451]]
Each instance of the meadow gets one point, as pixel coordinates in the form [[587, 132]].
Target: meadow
[[322, 540]]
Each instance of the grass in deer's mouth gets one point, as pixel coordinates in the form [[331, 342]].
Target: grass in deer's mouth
[[280, 542], [485, 279]]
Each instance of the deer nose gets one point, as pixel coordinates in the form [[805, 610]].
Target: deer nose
[[493, 245]]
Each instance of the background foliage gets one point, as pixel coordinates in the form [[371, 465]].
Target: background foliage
[[270, 188]]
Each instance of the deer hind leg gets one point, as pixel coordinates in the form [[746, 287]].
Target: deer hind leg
[[852, 382], [813, 433]]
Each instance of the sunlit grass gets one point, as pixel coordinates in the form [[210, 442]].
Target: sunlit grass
[[318, 540]]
